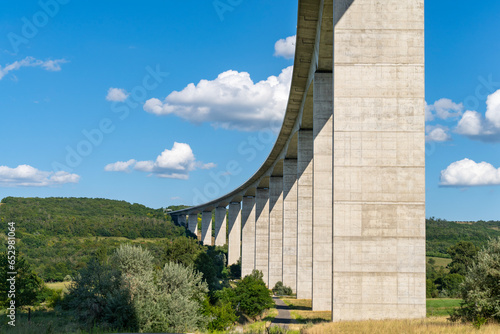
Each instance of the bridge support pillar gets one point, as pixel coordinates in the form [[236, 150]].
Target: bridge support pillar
[[193, 223], [262, 232], [323, 192], [275, 230], [290, 223], [234, 239], [304, 213], [182, 220], [206, 228], [220, 226], [248, 235]]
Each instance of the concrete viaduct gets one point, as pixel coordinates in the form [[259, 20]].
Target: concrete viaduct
[[337, 211]]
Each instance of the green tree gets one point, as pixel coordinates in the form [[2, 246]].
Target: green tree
[[480, 290], [252, 295], [98, 297], [462, 255], [27, 283]]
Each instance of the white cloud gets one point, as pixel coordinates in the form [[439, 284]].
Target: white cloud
[[231, 101], [493, 109], [120, 166], [175, 163], [27, 176], [436, 133], [467, 173], [117, 94], [49, 65], [285, 47], [443, 108], [475, 126]]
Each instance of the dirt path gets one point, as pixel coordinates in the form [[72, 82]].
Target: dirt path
[[284, 318]]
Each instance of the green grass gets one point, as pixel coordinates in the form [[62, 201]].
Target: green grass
[[59, 286], [438, 307]]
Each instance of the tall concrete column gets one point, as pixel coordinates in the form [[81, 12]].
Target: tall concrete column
[[247, 235], [379, 161], [275, 230], [182, 220], [234, 239], [290, 223], [193, 223], [304, 213], [262, 232], [220, 226], [322, 192], [206, 228]]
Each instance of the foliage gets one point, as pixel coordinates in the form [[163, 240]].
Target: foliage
[[182, 250], [133, 260], [282, 290], [462, 255], [28, 284], [98, 297], [480, 289], [60, 235], [252, 295], [173, 303], [442, 234], [222, 312], [235, 270]]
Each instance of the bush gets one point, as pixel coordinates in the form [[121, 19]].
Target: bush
[[97, 297], [480, 290], [173, 303], [133, 260], [282, 290], [252, 295]]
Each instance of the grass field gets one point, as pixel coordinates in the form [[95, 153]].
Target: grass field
[[434, 325], [59, 286], [439, 307], [440, 262]]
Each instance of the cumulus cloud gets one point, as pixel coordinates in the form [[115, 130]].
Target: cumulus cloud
[[175, 163], [443, 109], [285, 47], [27, 176], [120, 166], [468, 173], [49, 65], [436, 133], [117, 94], [231, 101], [487, 128]]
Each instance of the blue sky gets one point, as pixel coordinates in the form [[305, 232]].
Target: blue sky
[[175, 102]]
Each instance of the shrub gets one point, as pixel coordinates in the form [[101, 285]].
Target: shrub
[[98, 297], [133, 260], [252, 295], [480, 289], [282, 290]]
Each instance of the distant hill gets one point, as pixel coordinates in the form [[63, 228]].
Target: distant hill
[[442, 234], [58, 235], [86, 217]]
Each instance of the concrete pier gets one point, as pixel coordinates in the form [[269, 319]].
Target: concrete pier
[[193, 223], [275, 230], [304, 213], [290, 223], [322, 192], [247, 235], [234, 238], [206, 228], [262, 232], [220, 226]]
